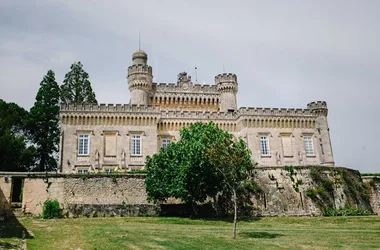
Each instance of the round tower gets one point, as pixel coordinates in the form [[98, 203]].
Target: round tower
[[227, 87], [139, 78], [320, 109]]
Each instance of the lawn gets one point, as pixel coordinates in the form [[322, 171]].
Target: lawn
[[182, 233]]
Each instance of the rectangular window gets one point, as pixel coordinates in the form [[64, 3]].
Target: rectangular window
[[83, 144], [165, 142], [308, 144], [136, 145], [264, 145], [82, 171]]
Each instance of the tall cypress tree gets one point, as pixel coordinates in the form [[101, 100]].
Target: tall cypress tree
[[44, 119], [76, 87]]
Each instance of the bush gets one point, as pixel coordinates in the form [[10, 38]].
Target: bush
[[373, 182], [321, 191], [51, 209], [311, 193], [328, 185], [346, 212]]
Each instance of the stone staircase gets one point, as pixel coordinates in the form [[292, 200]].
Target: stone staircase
[[17, 209]]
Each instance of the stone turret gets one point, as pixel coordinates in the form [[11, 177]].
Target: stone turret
[[140, 78], [320, 108], [227, 87]]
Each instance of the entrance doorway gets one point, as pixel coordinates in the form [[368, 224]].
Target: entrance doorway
[[17, 189]]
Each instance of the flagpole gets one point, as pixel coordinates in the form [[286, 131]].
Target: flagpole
[[139, 41], [196, 77]]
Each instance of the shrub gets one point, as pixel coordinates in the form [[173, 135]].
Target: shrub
[[321, 191], [51, 209], [311, 193], [114, 180], [370, 174], [328, 185], [373, 182], [346, 212]]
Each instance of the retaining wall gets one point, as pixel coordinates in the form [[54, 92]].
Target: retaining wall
[[284, 193]]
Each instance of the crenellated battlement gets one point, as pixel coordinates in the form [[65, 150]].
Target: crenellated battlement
[[193, 88], [317, 105], [275, 112], [108, 108], [140, 78], [319, 108], [139, 69], [226, 77], [206, 115]]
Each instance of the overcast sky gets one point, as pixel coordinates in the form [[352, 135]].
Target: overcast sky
[[285, 54]]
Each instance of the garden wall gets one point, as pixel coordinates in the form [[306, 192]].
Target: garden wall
[[5, 194], [374, 183], [88, 194], [286, 191], [308, 191]]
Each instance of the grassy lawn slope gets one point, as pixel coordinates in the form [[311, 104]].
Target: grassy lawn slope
[[181, 233]]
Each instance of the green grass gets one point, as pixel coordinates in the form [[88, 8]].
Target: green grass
[[370, 174], [180, 233]]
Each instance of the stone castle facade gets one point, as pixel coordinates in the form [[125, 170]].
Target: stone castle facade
[[119, 137]]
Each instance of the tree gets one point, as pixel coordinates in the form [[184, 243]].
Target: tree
[[206, 162], [182, 170], [233, 160], [14, 154], [44, 122], [76, 87]]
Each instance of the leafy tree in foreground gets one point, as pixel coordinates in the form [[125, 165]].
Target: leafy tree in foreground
[[183, 170], [14, 154], [205, 162], [233, 160], [76, 87], [44, 120]]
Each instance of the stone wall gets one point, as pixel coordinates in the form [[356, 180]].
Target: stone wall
[[374, 183], [285, 188], [78, 193], [5, 194], [284, 192]]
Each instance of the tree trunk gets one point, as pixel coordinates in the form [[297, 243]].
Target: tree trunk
[[194, 207], [42, 163], [234, 198], [216, 205]]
